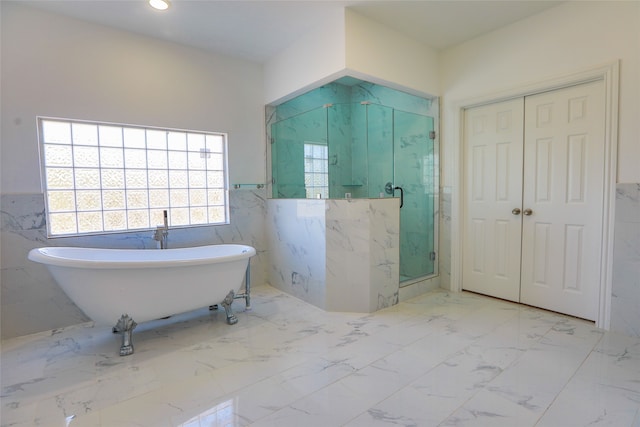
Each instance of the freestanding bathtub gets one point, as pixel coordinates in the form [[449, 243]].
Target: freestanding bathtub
[[131, 285]]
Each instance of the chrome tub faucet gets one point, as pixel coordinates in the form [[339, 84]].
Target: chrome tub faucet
[[162, 232]]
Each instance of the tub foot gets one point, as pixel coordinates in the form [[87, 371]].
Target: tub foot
[[247, 289], [226, 303], [125, 326]]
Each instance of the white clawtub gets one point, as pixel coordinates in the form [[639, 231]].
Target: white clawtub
[[131, 285]]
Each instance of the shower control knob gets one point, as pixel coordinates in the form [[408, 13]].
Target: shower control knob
[[516, 211], [388, 187]]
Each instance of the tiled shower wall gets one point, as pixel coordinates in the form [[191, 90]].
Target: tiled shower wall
[[30, 299]]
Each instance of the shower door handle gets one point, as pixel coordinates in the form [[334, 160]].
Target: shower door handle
[[401, 195]]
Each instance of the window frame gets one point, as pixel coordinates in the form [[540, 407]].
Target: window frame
[[313, 172], [150, 211]]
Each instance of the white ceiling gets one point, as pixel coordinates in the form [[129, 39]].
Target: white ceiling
[[258, 29]]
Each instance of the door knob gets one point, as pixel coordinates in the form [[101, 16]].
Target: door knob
[[516, 211], [527, 212]]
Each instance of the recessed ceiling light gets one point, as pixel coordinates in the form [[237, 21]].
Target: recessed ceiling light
[[160, 4]]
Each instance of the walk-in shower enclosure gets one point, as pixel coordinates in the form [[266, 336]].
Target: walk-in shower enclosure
[[355, 139]]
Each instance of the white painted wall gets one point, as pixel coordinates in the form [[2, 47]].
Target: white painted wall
[[307, 63], [391, 58], [350, 44], [560, 41], [58, 66], [62, 67]]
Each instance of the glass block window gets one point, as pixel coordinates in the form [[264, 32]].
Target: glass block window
[[316, 170], [103, 177]]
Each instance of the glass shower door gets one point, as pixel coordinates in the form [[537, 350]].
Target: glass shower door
[[380, 149], [415, 172]]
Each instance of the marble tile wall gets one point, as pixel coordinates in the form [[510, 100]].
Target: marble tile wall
[[32, 302], [403, 101], [290, 137], [384, 259], [345, 124], [444, 238], [339, 255], [363, 264], [295, 234], [377, 135], [30, 299], [351, 90], [331, 93], [625, 295]]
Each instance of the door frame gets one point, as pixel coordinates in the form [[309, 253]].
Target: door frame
[[609, 75]]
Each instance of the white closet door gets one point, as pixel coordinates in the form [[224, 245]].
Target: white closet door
[[563, 187], [493, 189]]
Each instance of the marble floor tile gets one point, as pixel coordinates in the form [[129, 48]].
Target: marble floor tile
[[439, 359]]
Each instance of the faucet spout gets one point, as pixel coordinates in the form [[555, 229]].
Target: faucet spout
[[161, 233]]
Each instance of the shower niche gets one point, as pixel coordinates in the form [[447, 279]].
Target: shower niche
[[353, 141]]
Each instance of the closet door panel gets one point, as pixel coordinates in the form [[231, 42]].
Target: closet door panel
[[493, 189], [563, 188]]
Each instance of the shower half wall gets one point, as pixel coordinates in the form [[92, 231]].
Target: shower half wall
[[354, 140], [339, 255]]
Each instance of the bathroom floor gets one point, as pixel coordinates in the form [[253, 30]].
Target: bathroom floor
[[438, 359]]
